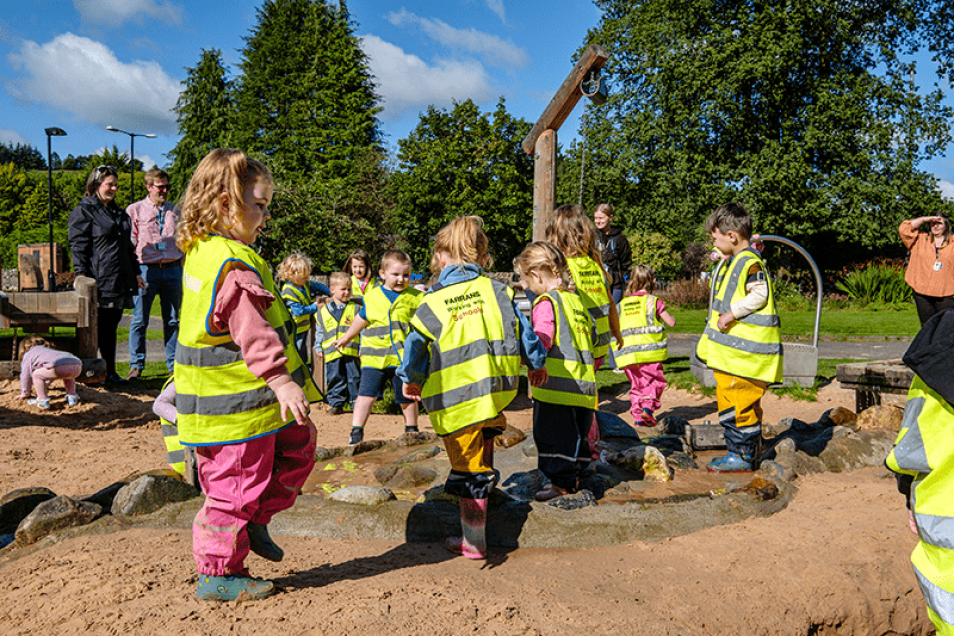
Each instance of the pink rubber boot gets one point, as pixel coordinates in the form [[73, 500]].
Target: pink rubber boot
[[473, 522]]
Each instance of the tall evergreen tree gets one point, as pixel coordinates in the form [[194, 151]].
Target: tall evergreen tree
[[204, 113], [305, 97], [802, 109]]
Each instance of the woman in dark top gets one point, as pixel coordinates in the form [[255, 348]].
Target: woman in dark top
[[614, 249], [101, 246]]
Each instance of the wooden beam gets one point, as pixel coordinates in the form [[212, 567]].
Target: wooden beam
[[566, 97], [544, 182]]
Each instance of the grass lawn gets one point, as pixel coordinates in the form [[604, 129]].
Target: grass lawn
[[838, 324]]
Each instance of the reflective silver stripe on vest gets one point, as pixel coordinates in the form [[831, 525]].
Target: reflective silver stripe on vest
[[743, 344], [653, 346], [571, 354], [376, 332], [723, 305], [225, 404], [380, 353], [170, 430], [470, 351], [426, 315], [938, 531], [638, 331], [472, 391], [176, 456], [570, 385], [938, 599], [214, 356], [910, 453], [760, 320]]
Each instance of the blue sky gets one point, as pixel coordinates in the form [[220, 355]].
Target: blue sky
[[83, 65]]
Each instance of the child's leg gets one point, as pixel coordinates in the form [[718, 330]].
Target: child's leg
[[335, 384], [68, 372], [353, 374], [740, 414], [472, 479], [362, 409], [647, 384], [636, 390], [559, 441], [409, 408], [294, 460], [41, 378], [369, 390], [656, 385]]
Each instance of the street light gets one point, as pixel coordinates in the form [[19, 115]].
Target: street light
[[132, 158], [50, 133]]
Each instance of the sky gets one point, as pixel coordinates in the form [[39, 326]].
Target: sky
[[83, 65]]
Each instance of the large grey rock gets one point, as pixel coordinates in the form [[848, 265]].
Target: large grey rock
[[415, 439], [884, 416], [17, 504], [366, 446], [364, 495], [404, 476], [510, 437], [577, 500], [56, 514], [612, 425], [149, 493], [646, 461], [776, 471]]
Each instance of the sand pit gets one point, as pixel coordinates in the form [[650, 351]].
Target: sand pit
[[835, 561]]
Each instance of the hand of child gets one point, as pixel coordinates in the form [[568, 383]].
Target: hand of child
[[537, 376], [141, 282], [291, 399], [23, 396], [715, 255], [756, 242], [725, 320], [412, 391], [339, 344]]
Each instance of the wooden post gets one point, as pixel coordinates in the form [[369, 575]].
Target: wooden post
[[87, 342], [541, 140], [544, 181]]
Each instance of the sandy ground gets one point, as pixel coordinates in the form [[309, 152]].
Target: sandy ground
[[834, 562]]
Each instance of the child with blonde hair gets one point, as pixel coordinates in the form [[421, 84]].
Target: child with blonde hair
[[242, 396], [383, 322], [565, 404], [342, 368], [358, 267], [641, 317], [299, 292], [40, 364], [462, 360]]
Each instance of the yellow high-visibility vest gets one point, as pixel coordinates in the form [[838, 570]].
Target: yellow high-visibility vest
[[294, 293], [570, 360], [474, 352], [382, 341], [357, 292], [644, 336], [217, 398], [590, 281], [752, 346], [336, 328]]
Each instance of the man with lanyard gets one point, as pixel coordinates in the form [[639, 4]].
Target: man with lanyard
[[153, 235]]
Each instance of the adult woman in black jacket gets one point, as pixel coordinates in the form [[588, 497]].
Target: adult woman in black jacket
[[101, 246], [614, 249]]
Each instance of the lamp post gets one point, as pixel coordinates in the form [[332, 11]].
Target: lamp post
[[132, 158], [50, 133]]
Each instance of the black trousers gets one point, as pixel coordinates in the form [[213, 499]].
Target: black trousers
[[927, 306], [563, 452], [107, 323]]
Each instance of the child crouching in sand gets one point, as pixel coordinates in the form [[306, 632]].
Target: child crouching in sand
[[40, 364]]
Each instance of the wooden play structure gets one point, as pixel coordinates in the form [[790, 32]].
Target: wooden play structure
[[41, 313], [541, 141], [871, 379]]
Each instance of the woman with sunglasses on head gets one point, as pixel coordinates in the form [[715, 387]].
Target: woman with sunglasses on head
[[930, 271], [101, 247]]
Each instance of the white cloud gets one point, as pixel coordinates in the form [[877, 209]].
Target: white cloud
[[495, 51], [407, 83], [946, 188], [497, 7], [85, 78], [12, 138], [112, 13]]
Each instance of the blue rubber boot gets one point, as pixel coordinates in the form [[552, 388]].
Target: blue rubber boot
[[729, 463], [232, 588], [262, 544]]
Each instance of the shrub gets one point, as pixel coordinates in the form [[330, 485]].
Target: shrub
[[879, 282], [655, 250], [695, 260], [689, 293]]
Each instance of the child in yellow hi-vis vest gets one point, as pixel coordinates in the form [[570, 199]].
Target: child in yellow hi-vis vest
[[299, 293], [342, 368], [641, 318], [242, 390], [742, 342], [383, 323], [462, 360]]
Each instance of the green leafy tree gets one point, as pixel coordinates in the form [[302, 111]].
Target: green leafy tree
[[14, 190], [23, 156], [305, 97], [204, 113], [804, 112], [459, 162]]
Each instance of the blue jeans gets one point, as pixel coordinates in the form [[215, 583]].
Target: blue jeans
[[341, 380], [167, 283]]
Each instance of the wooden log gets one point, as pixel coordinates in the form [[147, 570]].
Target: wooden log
[[566, 96], [544, 182], [87, 342]]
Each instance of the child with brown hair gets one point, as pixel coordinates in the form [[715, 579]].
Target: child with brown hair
[[40, 364], [462, 360], [299, 292], [641, 317], [385, 320], [242, 390], [342, 368], [358, 266], [565, 404]]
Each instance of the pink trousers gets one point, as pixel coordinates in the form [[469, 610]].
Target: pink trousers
[[246, 482], [647, 384], [66, 371]]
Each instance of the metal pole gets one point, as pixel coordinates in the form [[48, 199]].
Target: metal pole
[[50, 276], [132, 169]]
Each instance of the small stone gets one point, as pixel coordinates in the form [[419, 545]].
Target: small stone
[[17, 504], [786, 446], [364, 495], [577, 500], [418, 455], [324, 454], [149, 493], [511, 436], [774, 470], [366, 446], [415, 439], [761, 488], [530, 450], [646, 461], [883, 416], [682, 461], [838, 416], [404, 476], [56, 514]]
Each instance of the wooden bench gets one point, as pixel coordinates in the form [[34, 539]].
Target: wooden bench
[[872, 378]]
